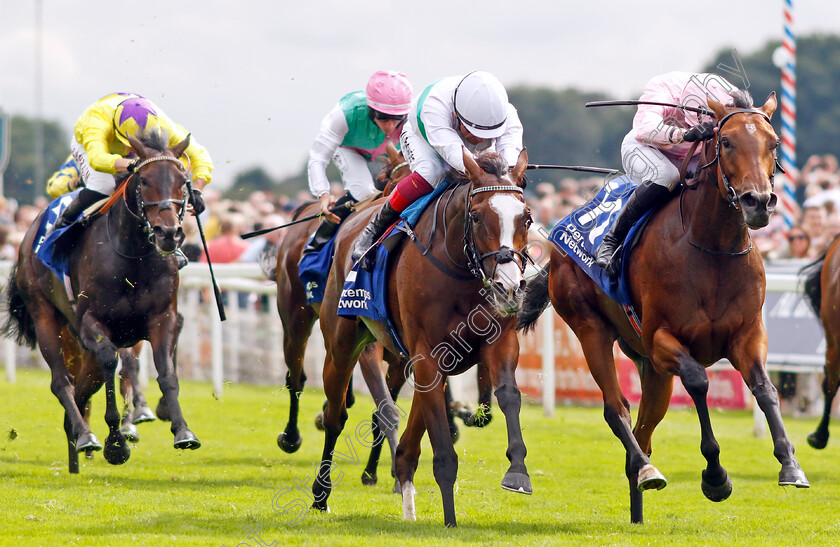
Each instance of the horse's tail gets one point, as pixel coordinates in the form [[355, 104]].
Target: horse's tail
[[19, 324], [810, 276], [267, 260], [536, 301]]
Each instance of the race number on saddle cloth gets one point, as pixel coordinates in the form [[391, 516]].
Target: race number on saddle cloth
[[580, 234]]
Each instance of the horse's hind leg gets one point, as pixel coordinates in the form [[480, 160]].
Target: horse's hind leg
[[394, 380], [407, 458], [819, 438], [131, 370], [386, 417]]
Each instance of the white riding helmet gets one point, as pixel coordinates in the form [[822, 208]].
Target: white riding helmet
[[481, 103]]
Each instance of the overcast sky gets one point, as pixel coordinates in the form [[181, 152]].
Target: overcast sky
[[253, 79]]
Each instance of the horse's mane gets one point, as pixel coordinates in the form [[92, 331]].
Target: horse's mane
[[491, 162], [300, 209], [156, 139], [741, 98]]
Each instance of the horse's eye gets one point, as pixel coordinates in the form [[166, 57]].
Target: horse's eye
[[529, 220], [774, 145], [725, 142], [475, 217]]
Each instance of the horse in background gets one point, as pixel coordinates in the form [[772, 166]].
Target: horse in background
[[822, 288], [124, 279], [698, 285], [477, 258]]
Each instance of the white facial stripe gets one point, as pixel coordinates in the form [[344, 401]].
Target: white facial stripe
[[508, 208]]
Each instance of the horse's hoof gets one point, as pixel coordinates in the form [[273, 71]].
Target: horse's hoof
[[817, 441], [186, 440], [321, 506], [517, 482], [650, 479], [89, 454], [87, 441], [397, 489], [287, 446], [793, 476], [479, 420], [142, 414], [319, 421], [129, 431], [117, 450], [369, 479], [716, 493]]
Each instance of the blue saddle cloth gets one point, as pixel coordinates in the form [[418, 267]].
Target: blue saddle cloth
[[313, 270], [364, 293], [49, 250], [580, 234], [412, 212]]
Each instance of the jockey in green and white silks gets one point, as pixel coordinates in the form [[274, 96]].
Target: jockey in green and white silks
[[353, 134]]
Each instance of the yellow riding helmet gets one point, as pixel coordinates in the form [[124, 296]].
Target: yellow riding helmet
[[133, 115]]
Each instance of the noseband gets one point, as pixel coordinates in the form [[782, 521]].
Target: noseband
[[732, 196], [503, 255]]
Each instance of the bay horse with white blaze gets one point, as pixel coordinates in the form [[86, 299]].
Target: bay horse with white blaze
[[438, 303], [124, 278], [698, 285]]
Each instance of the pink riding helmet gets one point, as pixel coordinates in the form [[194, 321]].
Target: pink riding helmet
[[389, 92]]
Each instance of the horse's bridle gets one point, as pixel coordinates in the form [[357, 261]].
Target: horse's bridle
[[141, 205], [162, 205], [503, 255], [732, 196]]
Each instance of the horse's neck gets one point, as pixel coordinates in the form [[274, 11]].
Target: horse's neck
[[711, 222]]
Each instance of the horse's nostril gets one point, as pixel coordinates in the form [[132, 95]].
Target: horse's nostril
[[749, 200], [771, 204]]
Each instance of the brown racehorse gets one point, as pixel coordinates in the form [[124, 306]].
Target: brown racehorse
[[822, 287], [438, 302], [298, 318], [698, 286], [125, 280]]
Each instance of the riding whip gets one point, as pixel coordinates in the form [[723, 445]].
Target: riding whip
[[573, 168], [216, 290], [256, 233], [656, 103]]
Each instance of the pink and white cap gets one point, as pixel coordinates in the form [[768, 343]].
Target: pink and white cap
[[389, 92]]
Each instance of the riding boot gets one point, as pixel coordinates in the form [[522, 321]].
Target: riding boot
[[326, 230], [84, 199], [646, 196], [380, 222]]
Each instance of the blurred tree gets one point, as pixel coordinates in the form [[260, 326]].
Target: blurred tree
[[18, 178], [247, 182]]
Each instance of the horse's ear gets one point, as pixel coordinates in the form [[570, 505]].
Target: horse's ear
[[770, 105], [473, 170], [717, 108], [137, 146], [391, 150], [518, 172], [178, 151]]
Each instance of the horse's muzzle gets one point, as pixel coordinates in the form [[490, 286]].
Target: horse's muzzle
[[757, 208], [168, 238]]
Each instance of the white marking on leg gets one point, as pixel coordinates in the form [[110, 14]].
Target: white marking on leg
[[409, 512]]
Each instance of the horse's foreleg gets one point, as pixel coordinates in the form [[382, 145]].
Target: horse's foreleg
[[295, 337], [131, 371], [819, 438], [501, 358], [748, 355], [407, 458], [338, 369], [96, 339], [162, 338], [386, 418]]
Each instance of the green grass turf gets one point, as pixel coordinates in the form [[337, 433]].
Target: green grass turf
[[209, 496]]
